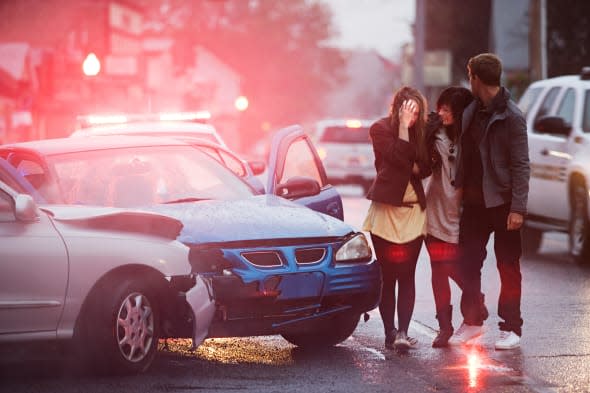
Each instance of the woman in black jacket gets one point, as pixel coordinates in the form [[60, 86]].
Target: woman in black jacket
[[396, 217]]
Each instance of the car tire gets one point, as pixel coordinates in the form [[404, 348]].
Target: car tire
[[579, 225], [327, 334], [531, 240], [121, 329]]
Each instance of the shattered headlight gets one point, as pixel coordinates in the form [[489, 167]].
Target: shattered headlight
[[355, 249]]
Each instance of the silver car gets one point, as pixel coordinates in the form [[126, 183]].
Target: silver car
[[110, 281], [345, 148]]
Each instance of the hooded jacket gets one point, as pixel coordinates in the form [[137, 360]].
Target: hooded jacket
[[394, 160]]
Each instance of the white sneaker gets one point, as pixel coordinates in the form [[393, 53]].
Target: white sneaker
[[508, 340], [466, 333]]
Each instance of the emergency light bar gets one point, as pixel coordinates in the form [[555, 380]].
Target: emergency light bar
[[106, 119]]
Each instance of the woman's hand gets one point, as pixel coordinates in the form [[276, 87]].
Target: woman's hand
[[406, 118]]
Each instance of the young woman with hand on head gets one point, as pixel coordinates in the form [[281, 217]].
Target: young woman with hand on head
[[396, 218]]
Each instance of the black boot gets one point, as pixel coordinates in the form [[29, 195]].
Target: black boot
[[445, 323], [484, 310]]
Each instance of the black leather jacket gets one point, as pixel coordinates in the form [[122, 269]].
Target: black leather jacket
[[394, 160]]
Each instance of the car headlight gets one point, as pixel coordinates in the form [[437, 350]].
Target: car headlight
[[356, 249]]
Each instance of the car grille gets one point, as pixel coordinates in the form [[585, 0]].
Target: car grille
[[263, 258], [307, 256]]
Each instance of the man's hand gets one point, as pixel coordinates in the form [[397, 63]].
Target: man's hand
[[514, 221]]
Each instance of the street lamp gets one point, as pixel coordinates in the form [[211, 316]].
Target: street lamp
[[241, 103]]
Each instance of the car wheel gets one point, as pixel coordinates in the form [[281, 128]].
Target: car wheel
[[531, 240], [122, 329], [579, 227], [327, 334]]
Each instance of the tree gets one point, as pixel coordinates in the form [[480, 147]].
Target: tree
[[568, 33], [276, 46]]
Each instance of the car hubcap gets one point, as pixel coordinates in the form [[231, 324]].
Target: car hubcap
[[135, 327]]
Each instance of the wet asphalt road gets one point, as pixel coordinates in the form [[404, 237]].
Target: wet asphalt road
[[555, 353]]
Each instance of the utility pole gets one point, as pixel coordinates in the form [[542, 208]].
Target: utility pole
[[538, 40], [419, 45]]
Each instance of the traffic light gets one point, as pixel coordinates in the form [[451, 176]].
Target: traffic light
[[91, 65]]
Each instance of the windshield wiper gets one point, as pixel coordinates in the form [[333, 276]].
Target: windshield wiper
[[183, 200]]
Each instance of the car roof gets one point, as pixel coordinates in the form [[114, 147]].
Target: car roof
[[144, 126], [162, 128], [343, 122], [70, 145], [565, 80]]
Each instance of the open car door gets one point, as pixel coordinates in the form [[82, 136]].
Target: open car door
[[296, 172]]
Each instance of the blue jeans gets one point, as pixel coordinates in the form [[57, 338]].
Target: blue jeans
[[477, 224]]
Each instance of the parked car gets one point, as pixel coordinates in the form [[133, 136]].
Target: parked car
[[186, 124], [557, 112], [346, 150], [275, 265], [203, 136], [111, 282]]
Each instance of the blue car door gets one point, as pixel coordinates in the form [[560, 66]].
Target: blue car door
[[293, 155]]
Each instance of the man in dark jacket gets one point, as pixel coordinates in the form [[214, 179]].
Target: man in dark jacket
[[494, 173]]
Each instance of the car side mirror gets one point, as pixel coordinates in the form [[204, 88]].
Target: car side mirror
[[258, 167], [25, 209], [298, 187], [552, 125]]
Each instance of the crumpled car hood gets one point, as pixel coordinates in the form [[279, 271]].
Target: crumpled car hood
[[116, 219], [256, 218]]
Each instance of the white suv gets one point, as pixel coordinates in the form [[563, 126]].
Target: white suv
[[557, 112], [346, 150]]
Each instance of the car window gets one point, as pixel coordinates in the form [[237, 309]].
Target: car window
[[547, 104], [343, 134], [6, 207], [586, 113], [528, 99], [32, 171], [566, 106], [234, 164], [133, 177], [231, 162], [300, 161]]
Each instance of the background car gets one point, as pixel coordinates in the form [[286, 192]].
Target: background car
[[110, 281], [557, 113], [189, 124], [184, 126], [276, 267], [345, 148]]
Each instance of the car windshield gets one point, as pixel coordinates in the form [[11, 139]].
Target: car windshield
[[343, 134], [141, 176]]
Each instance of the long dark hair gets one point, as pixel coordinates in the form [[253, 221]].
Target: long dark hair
[[419, 127], [456, 98]]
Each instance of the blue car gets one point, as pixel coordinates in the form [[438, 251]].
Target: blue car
[[280, 262]]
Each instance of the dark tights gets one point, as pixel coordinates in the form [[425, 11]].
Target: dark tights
[[398, 265]]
